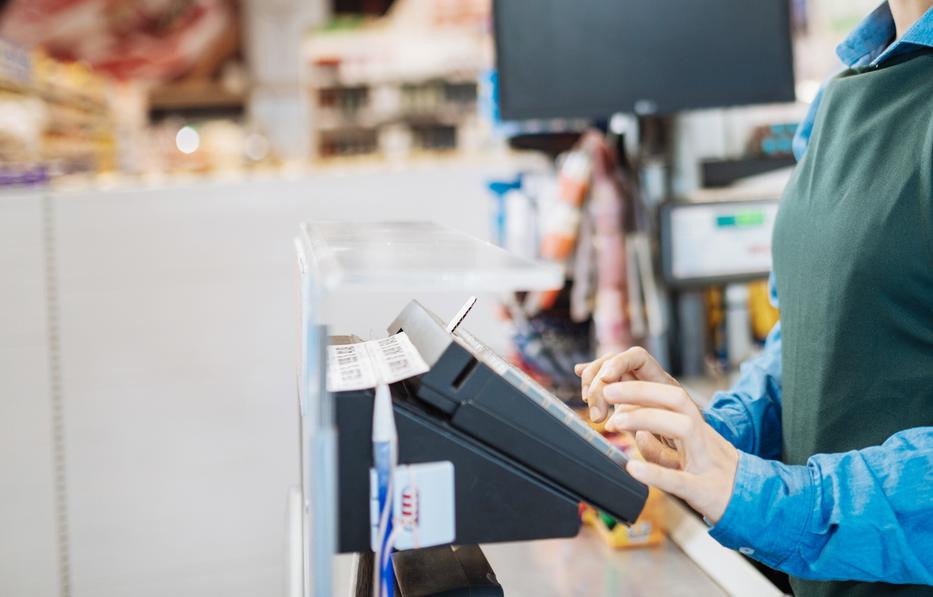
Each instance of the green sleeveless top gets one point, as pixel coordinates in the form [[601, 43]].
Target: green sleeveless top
[[853, 258]]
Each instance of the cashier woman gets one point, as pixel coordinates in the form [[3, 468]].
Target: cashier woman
[[819, 462]]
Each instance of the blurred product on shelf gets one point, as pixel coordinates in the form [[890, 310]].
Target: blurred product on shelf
[[647, 531], [772, 140], [588, 215], [55, 118], [561, 219], [402, 85], [739, 340], [585, 231], [79, 132], [764, 315], [581, 217], [610, 201], [219, 146], [127, 39], [549, 343], [125, 87], [738, 319], [22, 119], [718, 353]]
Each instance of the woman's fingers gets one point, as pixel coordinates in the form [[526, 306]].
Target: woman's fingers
[[595, 396], [653, 450], [596, 376], [588, 371], [655, 420], [665, 479], [636, 362], [624, 408], [644, 393], [598, 407]]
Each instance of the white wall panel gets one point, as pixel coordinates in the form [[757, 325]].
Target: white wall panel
[[28, 540], [178, 339]]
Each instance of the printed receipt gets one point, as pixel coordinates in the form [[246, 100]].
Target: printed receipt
[[368, 364]]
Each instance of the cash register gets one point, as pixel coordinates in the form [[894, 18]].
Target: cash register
[[523, 461]]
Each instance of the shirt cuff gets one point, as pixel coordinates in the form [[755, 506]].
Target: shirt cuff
[[769, 510]]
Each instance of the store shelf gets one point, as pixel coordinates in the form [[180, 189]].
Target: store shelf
[[415, 88], [64, 121], [194, 95]]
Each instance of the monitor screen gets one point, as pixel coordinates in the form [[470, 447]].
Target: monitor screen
[[593, 58]]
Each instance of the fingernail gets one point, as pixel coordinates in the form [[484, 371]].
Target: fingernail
[[620, 420], [636, 468], [594, 414]]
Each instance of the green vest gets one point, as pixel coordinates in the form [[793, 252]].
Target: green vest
[[853, 257]]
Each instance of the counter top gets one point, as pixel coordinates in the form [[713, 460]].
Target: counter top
[[585, 565]]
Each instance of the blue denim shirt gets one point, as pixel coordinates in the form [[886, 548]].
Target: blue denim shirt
[[863, 515]]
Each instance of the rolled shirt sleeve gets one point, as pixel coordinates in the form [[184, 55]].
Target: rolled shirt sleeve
[[749, 415], [861, 515]]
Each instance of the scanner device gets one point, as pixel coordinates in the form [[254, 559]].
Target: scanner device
[[523, 460]]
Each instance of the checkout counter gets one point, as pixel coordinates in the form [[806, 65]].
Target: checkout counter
[[501, 462]]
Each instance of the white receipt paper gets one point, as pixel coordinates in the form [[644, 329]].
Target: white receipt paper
[[368, 364]]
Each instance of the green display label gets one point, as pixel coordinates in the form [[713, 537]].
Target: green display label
[[741, 220]]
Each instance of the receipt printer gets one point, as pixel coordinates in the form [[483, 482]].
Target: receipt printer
[[522, 460]]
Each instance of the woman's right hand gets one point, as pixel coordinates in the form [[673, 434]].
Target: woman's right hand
[[684, 455], [635, 364]]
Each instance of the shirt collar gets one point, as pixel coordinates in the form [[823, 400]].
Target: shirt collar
[[870, 42]]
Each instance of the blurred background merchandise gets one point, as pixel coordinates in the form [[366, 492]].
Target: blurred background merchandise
[[102, 86], [401, 85], [55, 117], [117, 80]]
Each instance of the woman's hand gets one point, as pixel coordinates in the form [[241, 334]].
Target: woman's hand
[[633, 364], [685, 456]]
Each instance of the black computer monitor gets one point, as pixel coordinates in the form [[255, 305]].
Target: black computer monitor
[[593, 58]]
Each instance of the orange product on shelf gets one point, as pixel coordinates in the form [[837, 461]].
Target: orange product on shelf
[[573, 190], [647, 531], [763, 313], [557, 246], [561, 227], [574, 180]]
